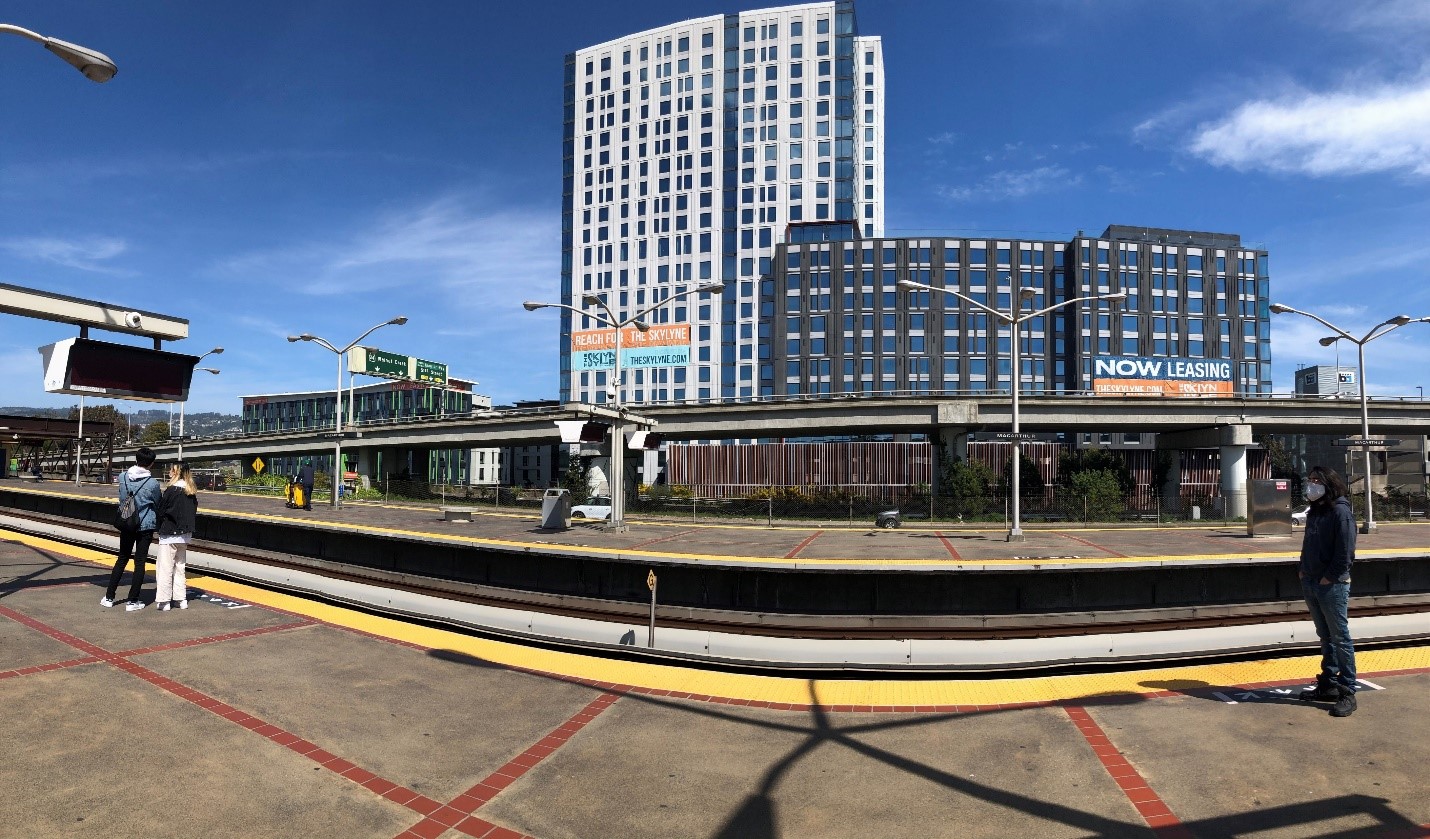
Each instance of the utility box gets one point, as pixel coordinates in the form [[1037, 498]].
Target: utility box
[[556, 509], [1268, 508]]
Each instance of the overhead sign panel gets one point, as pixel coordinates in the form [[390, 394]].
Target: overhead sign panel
[[1145, 376], [82, 367], [661, 346], [369, 361]]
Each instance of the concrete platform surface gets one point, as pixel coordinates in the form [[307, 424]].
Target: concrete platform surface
[[819, 544], [258, 714]]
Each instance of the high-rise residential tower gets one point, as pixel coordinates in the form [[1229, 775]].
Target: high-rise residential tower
[[689, 150]]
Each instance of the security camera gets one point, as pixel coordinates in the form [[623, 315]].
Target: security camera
[[132, 320]]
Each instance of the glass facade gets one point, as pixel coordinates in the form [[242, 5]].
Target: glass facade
[[688, 151], [839, 323]]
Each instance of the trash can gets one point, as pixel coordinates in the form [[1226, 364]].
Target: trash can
[[1269, 510], [888, 519], [556, 509]]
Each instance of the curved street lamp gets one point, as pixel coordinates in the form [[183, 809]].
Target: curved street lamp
[[338, 396], [617, 521], [96, 66], [214, 351], [1385, 327], [1015, 318]]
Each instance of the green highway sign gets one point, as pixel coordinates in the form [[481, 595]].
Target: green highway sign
[[382, 363], [430, 371]]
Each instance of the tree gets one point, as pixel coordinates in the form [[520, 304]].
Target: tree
[[1101, 494], [1095, 460], [155, 432], [104, 413], [966, 484], [1030, 477]]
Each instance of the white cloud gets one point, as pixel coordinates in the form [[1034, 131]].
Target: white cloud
[[85, 254], [1010, 184], [1347, 132]]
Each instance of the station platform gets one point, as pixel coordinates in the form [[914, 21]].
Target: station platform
[[790, 545], [258, 714]]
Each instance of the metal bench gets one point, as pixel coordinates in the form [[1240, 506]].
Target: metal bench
[[456, 513]]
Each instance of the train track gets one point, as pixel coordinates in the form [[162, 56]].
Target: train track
[[327, 580]]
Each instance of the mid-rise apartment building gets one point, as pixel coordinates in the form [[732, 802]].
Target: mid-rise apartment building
[[688, 150], [834, 319]]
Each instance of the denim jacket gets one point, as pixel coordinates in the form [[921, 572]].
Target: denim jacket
[[1329, 546], [145, 488]]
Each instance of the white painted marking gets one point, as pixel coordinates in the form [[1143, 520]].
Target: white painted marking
[[1223, 697], [1371, 685]]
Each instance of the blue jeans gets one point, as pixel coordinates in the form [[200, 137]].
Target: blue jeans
[[1328, 612]]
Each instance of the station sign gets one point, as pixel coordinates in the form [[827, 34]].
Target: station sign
[[1365, 442], [660, 346], [1148, 376]]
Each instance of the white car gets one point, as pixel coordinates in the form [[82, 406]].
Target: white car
[[596, 507], [1299, 516]]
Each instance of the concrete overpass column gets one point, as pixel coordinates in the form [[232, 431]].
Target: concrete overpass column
[[948, 444], [1236, 438], [364, 462], [1171, 488]]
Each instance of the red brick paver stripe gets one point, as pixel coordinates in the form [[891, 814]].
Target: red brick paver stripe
[[665, 538], [947, 545], [387, 789], [1147, 803], [45, 668], [802, 545], [213, 639], [1091, 544], [460, 812]]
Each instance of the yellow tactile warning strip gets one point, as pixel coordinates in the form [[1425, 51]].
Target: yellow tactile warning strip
[[727, 559], [872, 694]]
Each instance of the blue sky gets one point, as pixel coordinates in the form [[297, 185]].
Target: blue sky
[[270, 168]]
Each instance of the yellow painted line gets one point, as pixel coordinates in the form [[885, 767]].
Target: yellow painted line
[[776, 689], [731, 559]]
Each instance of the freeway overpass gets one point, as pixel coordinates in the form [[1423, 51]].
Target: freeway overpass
[[1184, 423]]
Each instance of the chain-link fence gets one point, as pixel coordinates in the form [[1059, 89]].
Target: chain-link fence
[[1051, 506]]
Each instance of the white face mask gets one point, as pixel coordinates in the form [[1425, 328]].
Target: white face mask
[[1314, 492]]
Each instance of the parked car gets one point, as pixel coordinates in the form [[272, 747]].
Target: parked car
[[210, 479], [595, 507], [1299, 516]]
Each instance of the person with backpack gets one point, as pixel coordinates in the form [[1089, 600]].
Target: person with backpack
[[177, 511], [1328, 550], [139, 495]]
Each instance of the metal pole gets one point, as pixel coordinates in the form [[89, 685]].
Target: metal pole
[[181, 428], [650, 635], [338, 436], [79, 442], [617, 523], [1015, 533], [1369, 526]]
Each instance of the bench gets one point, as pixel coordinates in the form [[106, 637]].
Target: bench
[[456, 513], [1417, 514], [1045, 517]]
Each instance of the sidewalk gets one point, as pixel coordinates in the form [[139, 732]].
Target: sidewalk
[[255, 714]]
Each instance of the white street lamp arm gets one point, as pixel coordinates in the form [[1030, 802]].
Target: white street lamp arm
[[672, 298], [1043, 311], [1331, 326], [96, 66], [1003, 316]]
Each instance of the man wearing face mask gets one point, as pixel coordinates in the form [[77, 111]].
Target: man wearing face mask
[[1327, 551]]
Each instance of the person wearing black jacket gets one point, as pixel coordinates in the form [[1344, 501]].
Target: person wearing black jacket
[[178, 509], [1327, 552]]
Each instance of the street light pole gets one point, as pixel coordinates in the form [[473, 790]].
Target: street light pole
[[96, 66], [1380, 329], [1015, 320], [183, 404], [214, 351], [337, 474], [616, 522]]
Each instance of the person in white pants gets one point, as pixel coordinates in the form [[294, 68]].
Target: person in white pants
[[178, 509]]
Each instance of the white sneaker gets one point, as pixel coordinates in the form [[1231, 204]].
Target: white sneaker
[[106, 602], [164, 607], [183, 604], [133, 605]]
